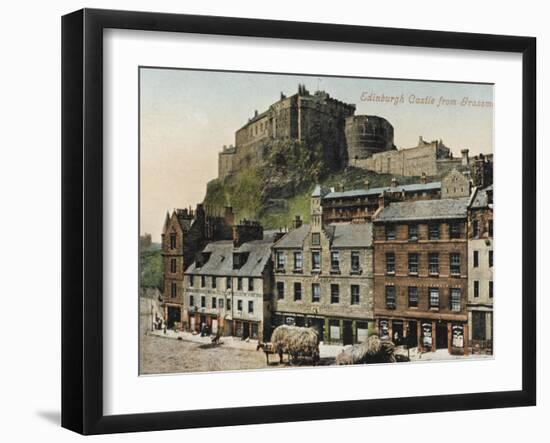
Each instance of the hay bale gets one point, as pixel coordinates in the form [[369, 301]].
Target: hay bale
[[296, 341], [373, 350]]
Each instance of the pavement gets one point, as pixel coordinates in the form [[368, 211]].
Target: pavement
[[326, 350]]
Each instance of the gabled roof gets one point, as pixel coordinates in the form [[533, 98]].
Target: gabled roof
[[294, 238], [416, 187], [350, 235], [449, 208], [220, 262]]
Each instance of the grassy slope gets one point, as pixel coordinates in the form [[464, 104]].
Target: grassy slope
[[244, 193]]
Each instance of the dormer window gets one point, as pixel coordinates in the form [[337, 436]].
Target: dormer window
[[315, 239], [173, 240], [239, 259]]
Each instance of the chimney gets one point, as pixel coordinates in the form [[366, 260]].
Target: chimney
[[297, 222], [420, 140], [465, 158], [246, 231], [340, 187], [382, 200], [367, 184], [423, 178], [394, 182]]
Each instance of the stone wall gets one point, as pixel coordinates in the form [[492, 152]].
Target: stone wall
[[367, 135]]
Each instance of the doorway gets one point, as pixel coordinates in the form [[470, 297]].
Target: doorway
[[174, 316], [347, 333], [441, 341], [412, 334]]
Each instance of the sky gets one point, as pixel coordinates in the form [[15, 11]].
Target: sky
[[186, 116]]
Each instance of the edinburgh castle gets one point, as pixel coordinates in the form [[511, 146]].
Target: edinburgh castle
[[346, 139]]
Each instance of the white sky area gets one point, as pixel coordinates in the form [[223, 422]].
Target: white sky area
[[186, 117]]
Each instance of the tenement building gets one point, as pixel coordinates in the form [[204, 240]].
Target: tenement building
[[228, 288], [323, 277], [480, 270], [420, 273], [360, 205], [185, 233]]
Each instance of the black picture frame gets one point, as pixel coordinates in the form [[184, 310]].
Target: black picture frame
[[82, 218]]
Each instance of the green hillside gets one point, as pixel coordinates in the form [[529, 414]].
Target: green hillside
[[276, 192]]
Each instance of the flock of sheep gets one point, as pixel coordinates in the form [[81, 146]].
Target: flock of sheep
[[299, 342]]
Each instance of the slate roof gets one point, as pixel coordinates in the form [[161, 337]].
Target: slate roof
[[416, 187], [220, 262], [340, 235], [448, 208], [294, 238], [481, 198], [350, 235]]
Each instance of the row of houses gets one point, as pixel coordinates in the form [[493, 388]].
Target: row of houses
[[414, 267]]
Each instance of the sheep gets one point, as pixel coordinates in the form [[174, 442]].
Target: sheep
[[296, 342], [373, 350]]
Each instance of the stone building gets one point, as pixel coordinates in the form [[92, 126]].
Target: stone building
[[323, 277], [311, 118], [360, 205], [455, 184], [367, 135], [228, 289], [185, 233], [421, 273], [480, 269], [431, 158]]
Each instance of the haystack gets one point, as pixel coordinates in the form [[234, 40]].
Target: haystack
[[296, 341], [373, 350]]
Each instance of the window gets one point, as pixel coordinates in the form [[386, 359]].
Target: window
[[433, 231], [475, 228], [476, 288], [476, 259], [335, 261], [455, 300], [213, 282], [354, 294], [433, 263], [454, 260], [280, 290], [250, 306], [228, 282], [315, 292], [228, 304], [191, 280], [413, 263], [390, 297], [280, 260], [454, 230], [172, 241], [239, 305], [490, 289], [316, 260], [491, 259], [315, 239], [203, 301], [355, 266], [220, 303], [390, 263], [174, 290], [250, 284], [298, 261], [334, 293], [390, 232], [297, 291], [191, 301], [239, 283], [214, 300], [490, 228], [173, 265], [413, 232], [434, 297], [203, 281], [413, 296]]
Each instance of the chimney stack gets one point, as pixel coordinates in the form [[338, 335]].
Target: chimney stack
[[297, 222], [382, 200], [423, 178], [246, 231], [367, 184], [465, 158], [229, 216], [394, 182]]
